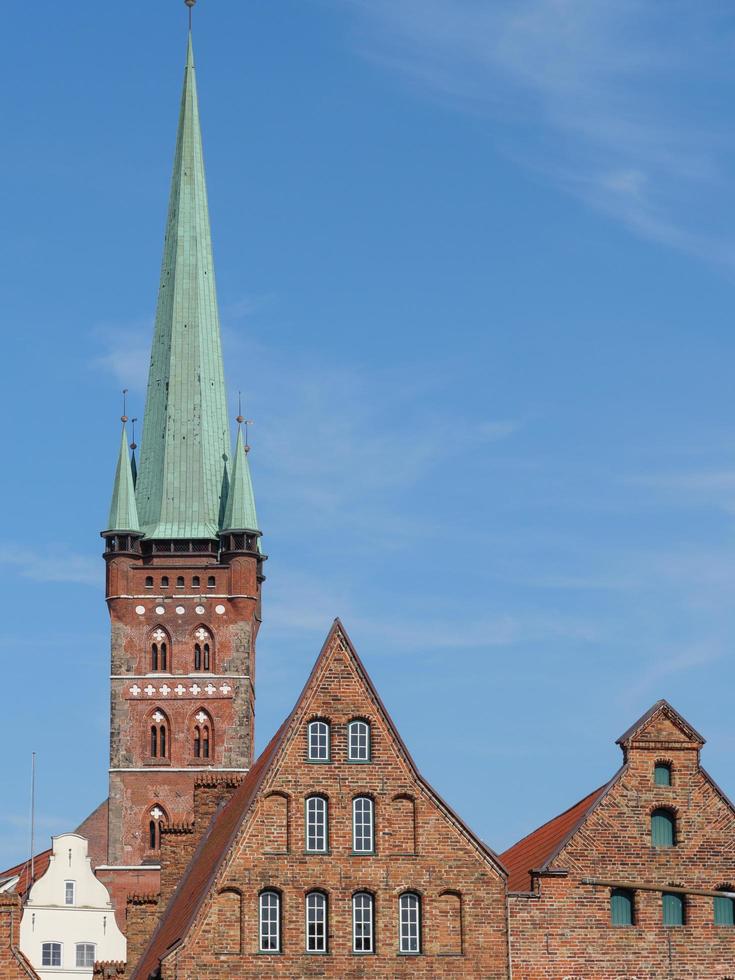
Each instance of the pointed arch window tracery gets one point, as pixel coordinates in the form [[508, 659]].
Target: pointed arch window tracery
[[202, 736], [203, 649], [160, 646], [159, 735]]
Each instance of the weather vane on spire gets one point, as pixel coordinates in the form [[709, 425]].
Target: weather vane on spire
[[243, 421], [190, 4]]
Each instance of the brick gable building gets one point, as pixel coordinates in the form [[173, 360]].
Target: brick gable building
[[637, 879], [330, 855], [334, 857]]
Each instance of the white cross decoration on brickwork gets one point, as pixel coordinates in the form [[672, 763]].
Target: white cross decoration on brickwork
[[156, 813], [158, 636], [150, 690], [210, 689], [201, 717], [195, 689], [201, 635], [135, 690], [180, 689], [225, 689], [158, 717], [165, 690]]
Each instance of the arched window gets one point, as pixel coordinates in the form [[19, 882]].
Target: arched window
[[159, 741], [270, 922], [211, 582], [195, 582], [203, 645], [663, 828], [363, 825], [662, 774], [363, 911], [51, 954], [202, 735], [358, 741], [180, 582], [725, 907], [159, 649], [409, 923], [316, 922], [156, 816], [164, 581], [149, 581], [318, 738], [316, 824], [621, 907], [673, 908]]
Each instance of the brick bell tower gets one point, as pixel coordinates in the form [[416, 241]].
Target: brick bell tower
[[182, 549]]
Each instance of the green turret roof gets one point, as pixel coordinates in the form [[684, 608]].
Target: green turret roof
[[240, 511], [123, 512], [181, 485]]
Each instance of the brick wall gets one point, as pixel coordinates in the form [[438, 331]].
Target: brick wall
[[565, 929], [419, 847], [142, 918], [12, 962]]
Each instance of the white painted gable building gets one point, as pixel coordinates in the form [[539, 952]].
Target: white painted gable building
[[68, 921]]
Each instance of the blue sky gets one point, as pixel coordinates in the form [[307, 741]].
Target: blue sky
[[476, 271]]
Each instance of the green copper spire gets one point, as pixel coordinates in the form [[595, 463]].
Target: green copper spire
[[240, 512], [123, 512], [185, 446]]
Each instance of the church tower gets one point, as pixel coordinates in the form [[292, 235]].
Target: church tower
[[182, 548]]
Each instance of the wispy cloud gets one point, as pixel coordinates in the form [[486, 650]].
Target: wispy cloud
[[57, 565], [606, 99]]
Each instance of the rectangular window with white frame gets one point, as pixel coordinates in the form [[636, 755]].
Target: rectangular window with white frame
[[85, 954], [362, 825], [51, 954], [70, 892]]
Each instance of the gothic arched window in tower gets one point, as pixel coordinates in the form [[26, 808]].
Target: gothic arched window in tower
[[156, 817], [158, 728], [203, 646], [159, 647], [202, 735]]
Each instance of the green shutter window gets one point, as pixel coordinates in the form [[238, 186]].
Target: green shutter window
[[662, 774], [724, 911], [621, 907], [662, 828], [673, 909]]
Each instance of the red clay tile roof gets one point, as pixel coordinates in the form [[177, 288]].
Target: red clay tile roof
[[535, 850], [94, 828], [194, 886], [23, 869]]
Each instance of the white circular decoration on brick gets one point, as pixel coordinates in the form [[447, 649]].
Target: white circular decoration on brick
[[219, 610], [160, 610], [180, 610], [200, 610], [140, 610]]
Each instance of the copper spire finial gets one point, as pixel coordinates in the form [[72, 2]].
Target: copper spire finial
[[190, 4], [241, 420], [124, 416], [133, 444]]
